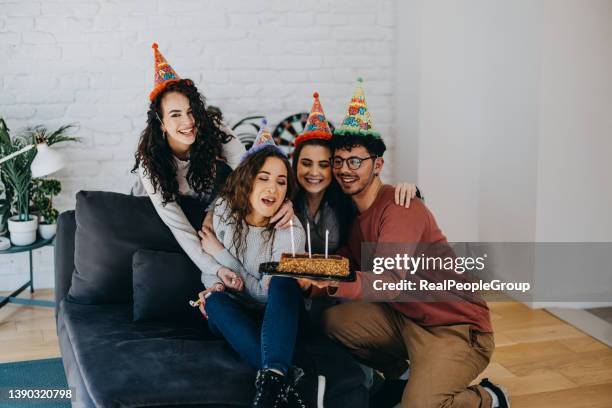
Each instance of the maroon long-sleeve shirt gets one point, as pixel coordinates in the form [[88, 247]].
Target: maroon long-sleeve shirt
[[385, 222]]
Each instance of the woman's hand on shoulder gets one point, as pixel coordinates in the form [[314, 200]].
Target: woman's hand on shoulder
[[283, 215], [209, 240], [404, 192]]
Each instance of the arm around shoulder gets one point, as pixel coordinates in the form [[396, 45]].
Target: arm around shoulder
[[173, 216]]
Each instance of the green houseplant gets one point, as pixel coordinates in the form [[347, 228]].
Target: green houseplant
[[16, 176], [42, 193]]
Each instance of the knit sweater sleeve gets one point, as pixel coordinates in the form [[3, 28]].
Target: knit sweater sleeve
[[222, 226], [173, 216], [256, 288], [281, 244], [233, 149], [397, 225], [256, 285]]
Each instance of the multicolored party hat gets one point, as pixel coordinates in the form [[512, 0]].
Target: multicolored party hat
[[264, 139], [357, 121], [316, 126], [164, 74]]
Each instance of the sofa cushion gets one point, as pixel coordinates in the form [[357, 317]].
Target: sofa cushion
[[164, 282], [110, 227], [131, 364]]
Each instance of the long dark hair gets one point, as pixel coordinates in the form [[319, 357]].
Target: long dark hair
[[155, 155], [238, 188], [340, 203]]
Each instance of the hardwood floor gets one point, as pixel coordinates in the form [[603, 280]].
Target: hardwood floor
[[28, 332], [544, 362], [541, 360]]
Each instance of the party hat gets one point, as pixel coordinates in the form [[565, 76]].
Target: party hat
[[316, 126], [164, 74], [357, 121], [264, 139]]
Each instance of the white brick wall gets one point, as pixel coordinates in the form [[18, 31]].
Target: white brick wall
[[91, 62]]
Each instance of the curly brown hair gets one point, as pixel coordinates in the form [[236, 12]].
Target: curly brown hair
[[154, 153], [238, 188]]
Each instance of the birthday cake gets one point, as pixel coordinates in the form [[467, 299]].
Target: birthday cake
[[317, 265]]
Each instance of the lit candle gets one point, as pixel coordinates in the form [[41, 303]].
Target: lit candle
[[308, 233], [326, 242], [292, 240]]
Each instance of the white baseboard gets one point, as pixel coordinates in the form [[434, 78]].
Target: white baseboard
[[568, 305], [587, 322]]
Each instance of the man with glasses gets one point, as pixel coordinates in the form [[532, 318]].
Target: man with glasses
[[448, 343]]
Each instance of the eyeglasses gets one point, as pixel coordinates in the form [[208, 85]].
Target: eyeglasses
[[352, 163]]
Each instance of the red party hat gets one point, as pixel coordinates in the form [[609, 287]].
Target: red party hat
[[164, 74], [316, 126]]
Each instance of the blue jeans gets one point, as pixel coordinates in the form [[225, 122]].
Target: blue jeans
[[264, 342]]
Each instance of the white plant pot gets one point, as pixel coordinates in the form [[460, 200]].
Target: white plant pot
[[47, 231], [22, 232]]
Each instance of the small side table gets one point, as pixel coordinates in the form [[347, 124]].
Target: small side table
[[12, 298]]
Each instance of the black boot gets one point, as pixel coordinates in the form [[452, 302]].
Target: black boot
[[306, 389], [270, 390]]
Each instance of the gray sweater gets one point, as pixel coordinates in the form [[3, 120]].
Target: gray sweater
[[256, 251]]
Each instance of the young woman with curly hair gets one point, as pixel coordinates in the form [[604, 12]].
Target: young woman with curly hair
[[178, 154]]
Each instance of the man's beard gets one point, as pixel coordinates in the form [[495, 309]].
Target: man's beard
[[362, 189]]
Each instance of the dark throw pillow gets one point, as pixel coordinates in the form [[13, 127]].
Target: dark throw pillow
[[164, 282], [110, 228]]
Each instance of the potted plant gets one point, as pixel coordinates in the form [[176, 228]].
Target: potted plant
[[3, 214], [43, 191], [17, 178], [16, 175]]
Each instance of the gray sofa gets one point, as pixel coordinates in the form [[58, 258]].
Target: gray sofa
[[122, 348]]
